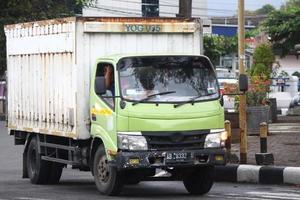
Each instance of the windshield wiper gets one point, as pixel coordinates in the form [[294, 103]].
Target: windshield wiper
[[151, 96], [192, 100]]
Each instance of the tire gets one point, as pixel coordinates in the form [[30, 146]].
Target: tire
[[38, 169], [108, 180], [55, 173], [200, 181]]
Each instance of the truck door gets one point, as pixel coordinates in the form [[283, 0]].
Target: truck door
[[102, 106]]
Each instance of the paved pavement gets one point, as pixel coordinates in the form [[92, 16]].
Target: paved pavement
[[283, 142], [284, 146], [80, 185], [77, 185]]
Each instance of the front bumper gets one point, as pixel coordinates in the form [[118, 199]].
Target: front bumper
[[157, 159]]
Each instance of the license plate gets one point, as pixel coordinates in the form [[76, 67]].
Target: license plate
[[178, 156]]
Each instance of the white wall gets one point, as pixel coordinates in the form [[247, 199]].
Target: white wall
[[290, 64], [133, 8]]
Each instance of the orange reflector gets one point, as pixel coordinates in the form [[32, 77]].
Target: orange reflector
[[134, 161], [111, 153]]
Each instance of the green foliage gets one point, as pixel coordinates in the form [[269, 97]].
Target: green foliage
[[259, 70], [259, 75], [292, 3], [296, 73], [16, 11], [283, 27], [263, 54], [85, 2], [263, 60], [266, 9], [252, 32], [216, 46], [283, 74]]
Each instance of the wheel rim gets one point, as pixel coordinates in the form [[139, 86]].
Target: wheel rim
[[103, 170]]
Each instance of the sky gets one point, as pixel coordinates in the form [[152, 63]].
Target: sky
[[229, 7]]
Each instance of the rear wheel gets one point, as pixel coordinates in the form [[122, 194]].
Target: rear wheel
[[55, 173], [200, 180], [38, 169], [41, 171], [108, 180]]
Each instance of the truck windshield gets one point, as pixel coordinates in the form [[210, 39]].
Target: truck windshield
[[167, 79]]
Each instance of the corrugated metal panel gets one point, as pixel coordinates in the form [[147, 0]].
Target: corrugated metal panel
[[41, 90], [40, 37]]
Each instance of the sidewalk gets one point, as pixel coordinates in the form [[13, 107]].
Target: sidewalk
[[283, 142], [284, 145]]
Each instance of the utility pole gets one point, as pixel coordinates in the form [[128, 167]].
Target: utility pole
[[185, 8], [242, 106]]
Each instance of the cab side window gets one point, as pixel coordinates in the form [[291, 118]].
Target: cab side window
[[106, 70]]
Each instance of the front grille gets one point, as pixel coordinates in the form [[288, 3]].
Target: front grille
[[175, 140]]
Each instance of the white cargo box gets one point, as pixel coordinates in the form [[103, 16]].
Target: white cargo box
[[49, 64]]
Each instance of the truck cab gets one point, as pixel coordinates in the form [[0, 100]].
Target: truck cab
[[165, 114]]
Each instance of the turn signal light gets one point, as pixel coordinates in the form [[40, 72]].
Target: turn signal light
[[219, 158], [134, 161]]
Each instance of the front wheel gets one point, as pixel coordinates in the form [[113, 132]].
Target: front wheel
[[200, 181], [108, 180]]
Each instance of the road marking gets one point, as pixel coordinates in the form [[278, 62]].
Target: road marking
[[235, 196], [258, 196], [276, 195], [29, 198]]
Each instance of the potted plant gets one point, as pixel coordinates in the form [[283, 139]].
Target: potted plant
[[258, 104]]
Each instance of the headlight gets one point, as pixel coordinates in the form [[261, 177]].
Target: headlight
[[215, 139], [132, 142]]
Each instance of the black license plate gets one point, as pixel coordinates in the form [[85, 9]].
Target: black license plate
[[178, 156]]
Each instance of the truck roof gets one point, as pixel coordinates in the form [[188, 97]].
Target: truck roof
[[116, 57], [99, 19]]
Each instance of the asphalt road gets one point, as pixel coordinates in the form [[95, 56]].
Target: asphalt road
[[79, 185]]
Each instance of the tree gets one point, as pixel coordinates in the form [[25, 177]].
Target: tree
[[266, 9], [263, 59], [291, 3], [296, 73], [283, 27], [16, 11], [217, 46]]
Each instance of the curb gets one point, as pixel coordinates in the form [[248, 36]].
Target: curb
[[257, 174]]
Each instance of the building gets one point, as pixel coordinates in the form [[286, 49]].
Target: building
[[142, 8]]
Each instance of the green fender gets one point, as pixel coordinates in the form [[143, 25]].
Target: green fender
[[98, 132]]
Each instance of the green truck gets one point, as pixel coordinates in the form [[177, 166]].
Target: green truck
[[129, 99]]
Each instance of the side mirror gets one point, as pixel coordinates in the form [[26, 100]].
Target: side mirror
[[243, 83], [100, 87], [222, 100]]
